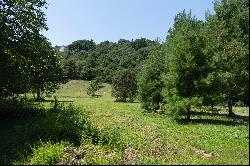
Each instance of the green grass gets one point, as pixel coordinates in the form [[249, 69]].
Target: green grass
[[157, 139], [108, 132], [47, 153]]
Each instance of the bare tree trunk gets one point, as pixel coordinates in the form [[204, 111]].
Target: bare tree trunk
[[230, 108]]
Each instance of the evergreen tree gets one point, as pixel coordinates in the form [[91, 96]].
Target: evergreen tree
[[150, 83], [227, 38], [186, 65]]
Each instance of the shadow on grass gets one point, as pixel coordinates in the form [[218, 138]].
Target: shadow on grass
[[210, 121], [125, 101], [215, 119], [219, 114], [73, 97], [21, 133], [101, 86], [97, 96], [61, 101]]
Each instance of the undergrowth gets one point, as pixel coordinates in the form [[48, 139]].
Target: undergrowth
[[39, 138]]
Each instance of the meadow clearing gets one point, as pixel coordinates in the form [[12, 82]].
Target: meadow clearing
[[174, 91], [129, 135]]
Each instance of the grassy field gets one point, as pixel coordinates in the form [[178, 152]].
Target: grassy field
[[149, 138], [156, 139]]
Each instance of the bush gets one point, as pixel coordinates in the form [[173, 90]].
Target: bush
[[47, 153], [94, 86], [58, 124], [124, 85], [71, 124]]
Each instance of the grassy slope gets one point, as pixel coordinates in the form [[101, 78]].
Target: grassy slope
[[156, 139]]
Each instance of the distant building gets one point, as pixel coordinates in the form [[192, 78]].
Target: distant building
[[62, 49]]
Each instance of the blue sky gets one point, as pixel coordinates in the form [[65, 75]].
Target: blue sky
[[100, 20]]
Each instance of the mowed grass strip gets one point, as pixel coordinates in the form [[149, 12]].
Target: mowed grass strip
[[157, 139]]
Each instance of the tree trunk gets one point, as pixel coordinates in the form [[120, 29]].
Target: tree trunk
[[188, 114], [38, 94], [230, 108]]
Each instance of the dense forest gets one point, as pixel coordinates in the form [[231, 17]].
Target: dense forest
[[86, 60], [201, 63]]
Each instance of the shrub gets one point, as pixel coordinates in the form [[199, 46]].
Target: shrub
[[72, 124], [94, 86], [124, 85], [47, 153]]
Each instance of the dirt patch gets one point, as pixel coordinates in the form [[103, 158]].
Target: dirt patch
[[156, 148], [159, 149], [75, 157], [202, 152], [130, 156]]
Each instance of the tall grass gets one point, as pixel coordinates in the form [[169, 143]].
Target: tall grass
[[36, 139]]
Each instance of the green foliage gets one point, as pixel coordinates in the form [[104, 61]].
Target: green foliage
[[124, 85], [19, 107], [46, 73], [71, 69], [56, 105], [121, 134], [16, 36], [99, 155], [27, 61], [150, 83], [112, 138], [47, 153], [71, 124], [82, 45], [157, 139], [94, 86], [227, 38], [186, 64], [85, 60]]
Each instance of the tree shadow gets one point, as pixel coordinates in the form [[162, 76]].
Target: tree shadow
[[127, 100], [47, 101], [97, 96], [21, 133], [221, 114], [121, 101], [210, 121], [101, 86], [210, 118]]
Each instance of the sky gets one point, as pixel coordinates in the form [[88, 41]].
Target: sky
[[101, 20]]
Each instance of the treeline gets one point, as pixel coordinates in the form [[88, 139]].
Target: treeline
[[201, 63], [27, 60], [84, 59]]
